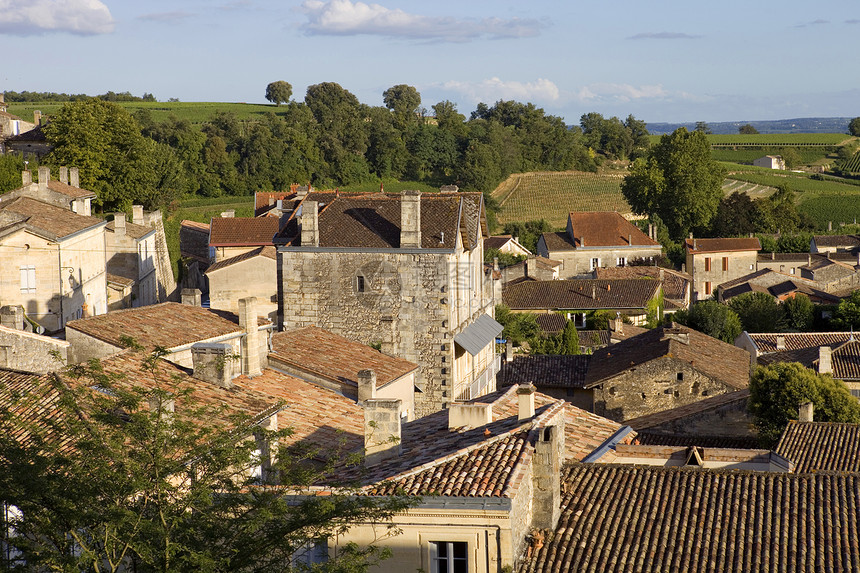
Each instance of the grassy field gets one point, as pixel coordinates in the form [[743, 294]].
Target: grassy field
[[195, 112], [552, 195], [808, 155], [773, 139]]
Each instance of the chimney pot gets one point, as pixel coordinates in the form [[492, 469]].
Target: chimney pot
[[780, 343], [251, 340], [526, 395], [26, 177], [119, 224], [366, 385], [805, 412], [228, 214], [12, 316], [44, 177], [137, 215], [462, 415], [509, 350], [310, 224]]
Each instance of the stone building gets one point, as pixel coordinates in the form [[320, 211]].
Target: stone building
[[25, 351], [596, 239], [662, 369], [131, 255], [712, 262], [402, 272], [11, 125], [233, 236], [253, 273]]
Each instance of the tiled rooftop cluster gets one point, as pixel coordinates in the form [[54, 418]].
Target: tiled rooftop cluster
[[821, 446], [581, 294]]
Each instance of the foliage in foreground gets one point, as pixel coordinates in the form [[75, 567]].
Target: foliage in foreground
[[712, 318], [777, 391], [150, 478]]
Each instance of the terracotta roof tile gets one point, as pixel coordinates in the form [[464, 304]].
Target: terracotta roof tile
[[194, 240], [242, 231], [845, 241], [268, 252], [647, 438], [49, 219], [552, 322], [766, 342], [579, 294], [722, 245], [676, 285], [545, 371], [70, 190], [326, 354], [132, 230], [715, 358], [558, 241], [606, 229], [650, 520], [168, 325], [821, 446]]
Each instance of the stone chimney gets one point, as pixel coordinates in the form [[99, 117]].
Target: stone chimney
[[26, 177], [410, 220], [526, 395], [74, 177], [509, 350], [44, 177], [805, 412], [64, 175], [780, 343], [546, 476], [119, 224], [37, 117], [228, 214], [310, 224], [463, 415], [251, 339], [212, 363], [381, 430], [619, 324], [530, 266], [192, 296], [12, 316], [825, 365], [137, 215], [366, 385]]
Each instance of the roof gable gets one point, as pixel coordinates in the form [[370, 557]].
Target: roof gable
[[605, 229], [242, 231]]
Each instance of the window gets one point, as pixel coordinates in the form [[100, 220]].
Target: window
[[360, 285], [792, 270], [707, 288], [725, 264], [449, 557], [707, 264], [622, 261], [680, 376], [312, 553], [28, 279], [595, 263]]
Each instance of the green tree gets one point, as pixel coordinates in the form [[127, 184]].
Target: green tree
[[776, 392], [279, 92], [677, 181], [747, 129], [569, 339], [146, 477], [702, 127], [799, 312], [518, 326], [104, 141], [403, 101], [848, 311], [505, 259], [791, 157], [854, 127], [712, 318], [758, 312], [11, 166], [737, 214], [527, 232]]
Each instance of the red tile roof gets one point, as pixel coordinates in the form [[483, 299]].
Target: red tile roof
[[579, 294], [331, 356], [545, 371], [653, 520], [43, 218], [194, 240], [844, 241], [766, 342], [821, 446], [697, 246], [268, 252], [69, 190], [676, 285], [606, 229], [242, 231]]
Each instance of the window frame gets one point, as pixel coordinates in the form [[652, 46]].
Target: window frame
[[450, 558], [28, 279]]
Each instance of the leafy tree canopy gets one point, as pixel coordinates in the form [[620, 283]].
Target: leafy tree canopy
[[712, 318], [848, 311], [854, 127], [776, 392], [519, 326], [799, 313], [747, 129], [758, 312], [677, 181], [279, 92]]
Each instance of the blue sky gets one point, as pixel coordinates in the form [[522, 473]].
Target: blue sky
[[662, 61]]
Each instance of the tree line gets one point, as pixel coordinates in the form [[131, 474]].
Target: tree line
[[27, 96]]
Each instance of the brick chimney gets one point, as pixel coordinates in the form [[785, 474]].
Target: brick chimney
[[366, 385], [44, 177], [381, 430], [825, 365], [805, 412], [137, 215], [410, 220], [64, 175], [526, 395], [251, 339], [310, 224], [119, 224], [74, 177], [212, 363], [192, 296], [546, 476]]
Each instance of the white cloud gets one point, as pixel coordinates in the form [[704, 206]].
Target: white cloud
[[540, 91], [347, 18], [625, 93], [28, 17]]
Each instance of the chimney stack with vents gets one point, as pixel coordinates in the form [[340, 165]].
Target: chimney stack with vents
[[212, 363], [64, 175], [251, 339], [526, 395], [74, 177], [410, 220], [44, 177], [119, 224], [546, 475], [805, 412], [381, 430], [310, 224], [192, 297], [825, 365], [366, 385]]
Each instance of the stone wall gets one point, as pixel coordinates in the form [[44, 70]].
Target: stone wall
[[255, 277], [738, 264], [577, 263], [84, 347], [653, 387], [30, 352], [729, 420]]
